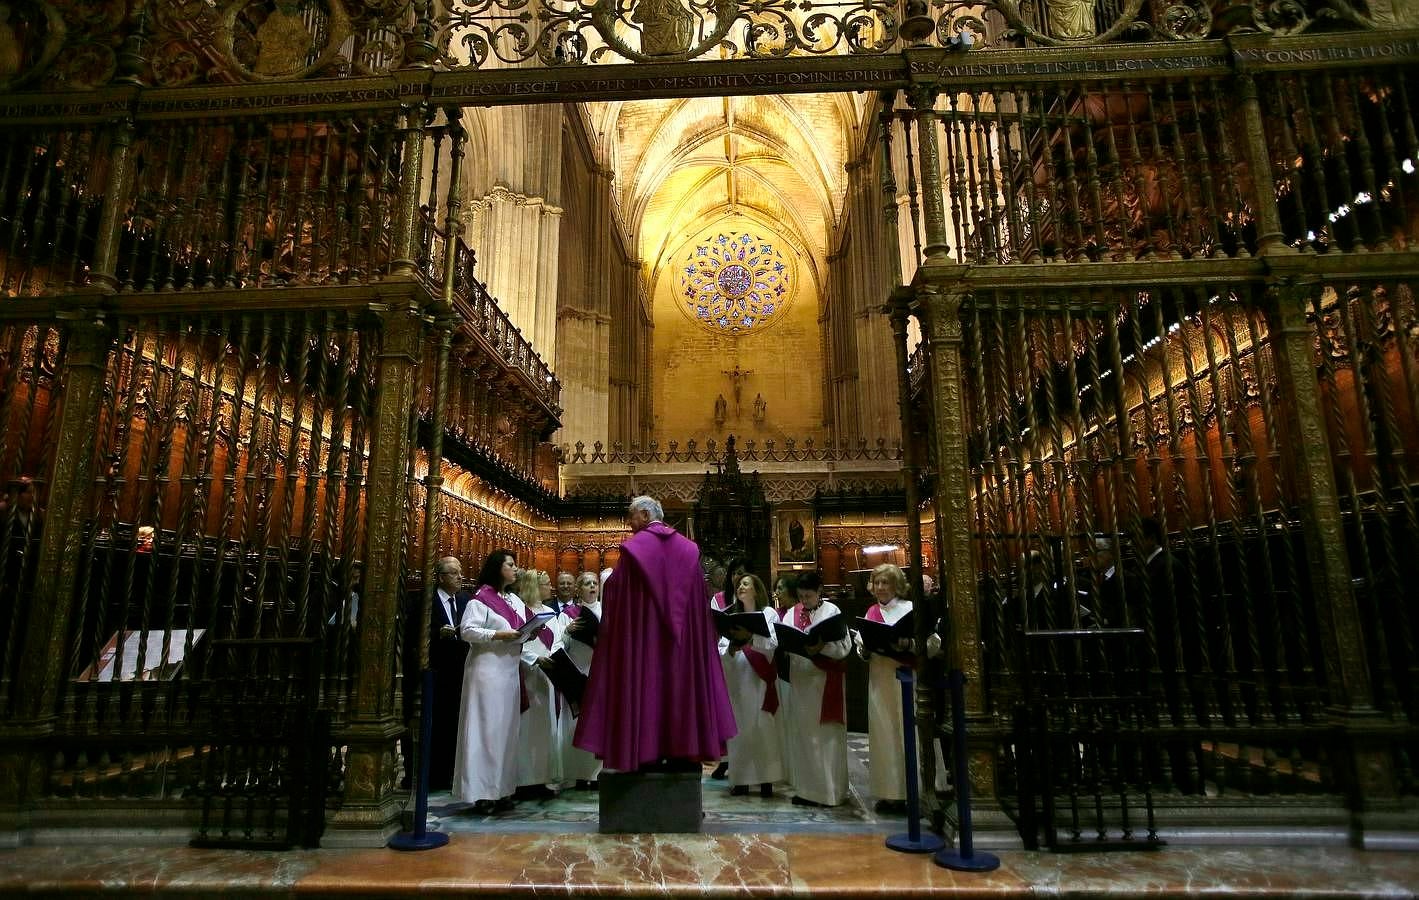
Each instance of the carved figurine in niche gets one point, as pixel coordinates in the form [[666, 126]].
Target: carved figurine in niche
[[1071, 20], [665, 27], [284, 40], [1396, 13], [761, 409], [721, 410]]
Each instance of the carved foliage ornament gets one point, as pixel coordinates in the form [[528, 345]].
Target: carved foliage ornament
[[586, 31]]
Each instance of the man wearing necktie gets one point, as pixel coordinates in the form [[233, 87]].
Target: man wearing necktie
[[446, 658]]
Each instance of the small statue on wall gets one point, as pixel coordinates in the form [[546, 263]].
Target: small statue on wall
[[665, 27], [284, 40], [721, 410], [761, 409], [1071, 20]]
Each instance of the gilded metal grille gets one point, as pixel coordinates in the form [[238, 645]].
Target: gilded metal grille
[[52, 183], [1367, 364], [31, 362], [1344, 149], [260, 202], [1089, 414], [228, 499], [1090, 171]]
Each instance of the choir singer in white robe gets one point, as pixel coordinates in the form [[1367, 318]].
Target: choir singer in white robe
[[885, 754], [816, 747], [539, 762], [755, 753], [485, 763], [579, 768]]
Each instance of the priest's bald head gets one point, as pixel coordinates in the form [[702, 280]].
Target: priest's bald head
[[644, 510]]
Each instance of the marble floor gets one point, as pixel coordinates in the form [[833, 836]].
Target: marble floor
[[751, 847], [575, 811], [700, 866]]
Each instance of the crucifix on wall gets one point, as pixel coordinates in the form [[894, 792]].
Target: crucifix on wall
[[736, 378]]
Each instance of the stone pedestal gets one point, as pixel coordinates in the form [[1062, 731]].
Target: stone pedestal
[[651, 802]]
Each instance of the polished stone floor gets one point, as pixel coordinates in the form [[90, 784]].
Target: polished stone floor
[[752, 847], [701, 866], [575, 811]]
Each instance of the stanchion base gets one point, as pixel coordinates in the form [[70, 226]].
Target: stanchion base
[[408, 840], [978, 862], [927, 843]]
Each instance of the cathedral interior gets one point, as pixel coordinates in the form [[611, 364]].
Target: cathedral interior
[[299, 296]]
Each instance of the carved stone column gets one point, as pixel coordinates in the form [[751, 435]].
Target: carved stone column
[[371, 804], [953, 511], [45, 652]]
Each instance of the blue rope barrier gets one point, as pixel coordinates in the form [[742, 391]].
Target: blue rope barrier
[[421, 838], [964, 858], [913, 841]]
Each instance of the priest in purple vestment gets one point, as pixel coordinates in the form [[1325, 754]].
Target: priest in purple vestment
[[656, 691]]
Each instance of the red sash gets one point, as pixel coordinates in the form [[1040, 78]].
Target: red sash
[[719, 601], [832, 708], [764, 668], [494, 601]]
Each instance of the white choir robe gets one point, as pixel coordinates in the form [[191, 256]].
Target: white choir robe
[[577, 764], [886, 762], [756, 752], [485, 761], [816, 753], [719, 601], [539, 758]]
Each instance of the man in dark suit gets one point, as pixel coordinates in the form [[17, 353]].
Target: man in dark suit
[[1106, 608], [447, 653]]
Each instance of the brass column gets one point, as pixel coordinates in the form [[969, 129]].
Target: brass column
[[104, 271], [953, 512], [933, 204], [404, 249], [1367, 758], [899, 311], [372, 778], [45, 652]]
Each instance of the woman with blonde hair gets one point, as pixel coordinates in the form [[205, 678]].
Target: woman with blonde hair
[[755, 753], [539, 764], [885, 755], [579, 768]]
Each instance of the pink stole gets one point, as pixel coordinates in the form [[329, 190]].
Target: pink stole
[[494, 601], [832, 709], [874, 614], [719, 602]]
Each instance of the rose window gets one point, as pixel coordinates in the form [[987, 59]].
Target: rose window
[[735, 282]]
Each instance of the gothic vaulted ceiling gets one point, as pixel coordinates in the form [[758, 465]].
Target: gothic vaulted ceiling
[[681, 165]]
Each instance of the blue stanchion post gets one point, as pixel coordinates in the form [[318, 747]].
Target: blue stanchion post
[[913, 841], [964, 857], [421, 838]]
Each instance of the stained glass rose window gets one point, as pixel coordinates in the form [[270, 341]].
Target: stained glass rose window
[[735, 282]]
